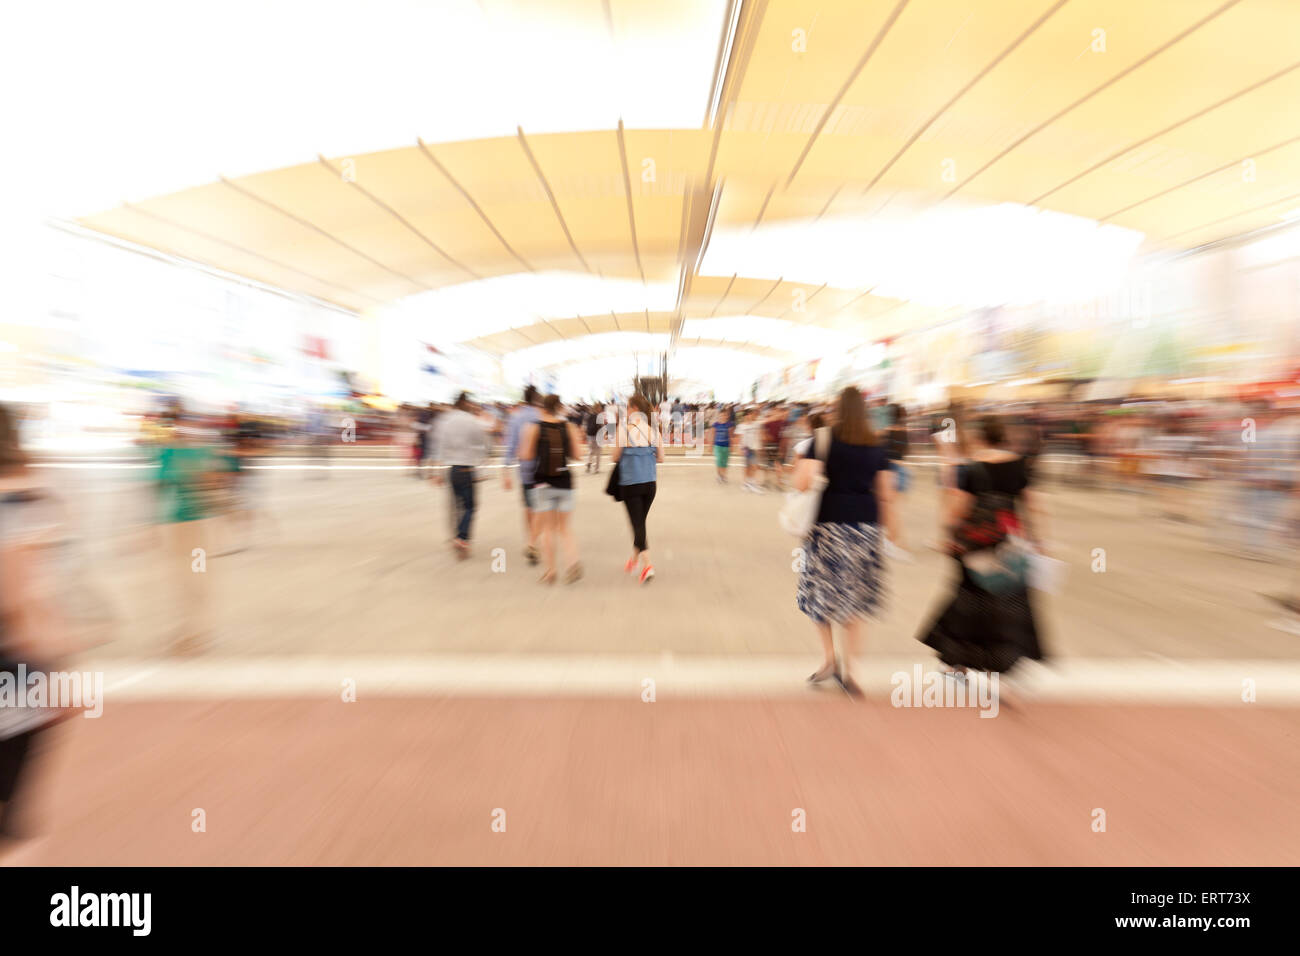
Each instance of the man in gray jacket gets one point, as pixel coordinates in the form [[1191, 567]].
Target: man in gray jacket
[[461, 441]]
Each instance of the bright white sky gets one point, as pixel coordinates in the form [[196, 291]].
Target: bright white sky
[[484, 306], [950, 255], [109, 102]]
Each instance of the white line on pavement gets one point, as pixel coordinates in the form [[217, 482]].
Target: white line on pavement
[[1203, 682]]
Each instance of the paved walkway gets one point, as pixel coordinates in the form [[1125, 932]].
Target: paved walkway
[[599, 781], [356, 563]]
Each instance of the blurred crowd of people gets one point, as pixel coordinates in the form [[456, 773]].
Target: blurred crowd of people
[[1233, 468], [1171, 453]]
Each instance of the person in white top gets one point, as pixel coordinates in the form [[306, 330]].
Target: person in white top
[[610, 426], [750, 432], [460, 441], [1172, 465]]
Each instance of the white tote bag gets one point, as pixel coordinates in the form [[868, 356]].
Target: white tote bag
[[1046, 574], [799, 511]]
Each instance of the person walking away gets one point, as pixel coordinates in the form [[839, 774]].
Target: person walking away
[[592, 421], [250, 445], [526, 414], [794, 434], [842, 576], [951, 444], [421, 428], [1029, 442], [189, 478], [1269, 482], [987, 623], [1173, 467], [461, 441], [550, 443], [897, 443], [320, 434], [772, 427], [690, 434], [743, 428], [722, 429], [637, 456], [751, 432]]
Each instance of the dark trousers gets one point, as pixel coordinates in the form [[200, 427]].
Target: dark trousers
[[637, 499], [462, 490]]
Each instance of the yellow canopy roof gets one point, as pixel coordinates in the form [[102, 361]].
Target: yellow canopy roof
[[1174, 118]]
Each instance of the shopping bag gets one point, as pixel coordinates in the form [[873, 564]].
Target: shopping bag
[[1046, 574], [799, 510]]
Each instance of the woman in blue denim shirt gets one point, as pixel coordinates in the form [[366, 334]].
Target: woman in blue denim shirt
[[638, 452]]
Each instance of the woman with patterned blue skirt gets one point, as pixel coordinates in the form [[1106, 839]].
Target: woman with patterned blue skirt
[[842, 576]]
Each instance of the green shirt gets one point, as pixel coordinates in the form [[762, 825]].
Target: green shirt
[[182, 471]]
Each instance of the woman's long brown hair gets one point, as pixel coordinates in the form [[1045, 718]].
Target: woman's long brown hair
[[854, 426]]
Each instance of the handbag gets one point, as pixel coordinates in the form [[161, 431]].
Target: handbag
[[1045, 574], [1002, 569], [798, 513], [612, 487]]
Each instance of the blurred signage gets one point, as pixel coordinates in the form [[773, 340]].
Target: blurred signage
[[315, 346]]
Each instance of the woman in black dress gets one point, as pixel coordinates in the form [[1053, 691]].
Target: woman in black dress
[[980, 629]]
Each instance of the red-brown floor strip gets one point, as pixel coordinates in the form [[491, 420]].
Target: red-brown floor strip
[[601, 781]]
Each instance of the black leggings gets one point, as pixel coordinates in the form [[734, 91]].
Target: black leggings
[[638, 499]]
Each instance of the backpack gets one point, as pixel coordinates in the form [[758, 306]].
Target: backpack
[[551, 459]]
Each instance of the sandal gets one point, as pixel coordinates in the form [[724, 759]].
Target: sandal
[[547, 578], [574, 573], [825, 674], [849, 686]]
